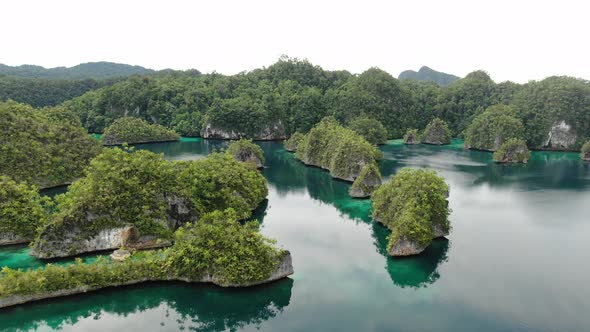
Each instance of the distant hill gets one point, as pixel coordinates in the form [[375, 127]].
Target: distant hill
[[94, 70], [428, 74]]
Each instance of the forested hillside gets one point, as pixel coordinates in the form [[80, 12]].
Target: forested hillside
[[41, 92], [428, 75], [96, 70], [292, 95]]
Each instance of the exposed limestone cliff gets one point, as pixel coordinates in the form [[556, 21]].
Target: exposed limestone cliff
[[406, 247], [367, 182], [8, 238], [412, 137], [512, 151], [561, 136], [274, 131]]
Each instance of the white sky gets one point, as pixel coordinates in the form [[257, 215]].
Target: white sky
[[512, 40]]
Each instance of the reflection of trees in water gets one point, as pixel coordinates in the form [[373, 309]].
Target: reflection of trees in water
[[288, 174], [413, 271], [199, 307]]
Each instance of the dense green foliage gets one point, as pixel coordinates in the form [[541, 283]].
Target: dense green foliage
[[546, 103], [412, 204], [142, 188], [293, 95], [368, 180], [244, 148], [429, 75], [491, 128], [436, 132], [370, 129], [217, 246], [21, 209], [585, 151], [293, 141], [340, 150], [513, 150], [95, 70], [412, 136], [46, 147], [219, 182], [45, 92], [135, 130]]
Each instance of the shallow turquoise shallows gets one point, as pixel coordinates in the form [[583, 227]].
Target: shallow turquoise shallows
[[517, 258]]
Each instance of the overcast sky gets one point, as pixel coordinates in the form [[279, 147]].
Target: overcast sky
[[511, 40]]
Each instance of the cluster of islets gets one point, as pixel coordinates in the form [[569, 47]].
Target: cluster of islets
[[166, 220]]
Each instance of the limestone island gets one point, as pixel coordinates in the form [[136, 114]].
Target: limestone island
[[513, 150], [437, 132], [246, 151], [45, 147], [370, 129], [217, 249], [138, 199], [341, 151], [412, 137], [133, 130], [414, 206], [489, 130]]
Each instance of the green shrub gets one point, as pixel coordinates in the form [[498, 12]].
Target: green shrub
[[219, 182], [412, 204], [46, 147], [370, 129], [21, 209], [340, 150], [492, 128], [412, 136], [135, 130], [245, 147], [293, 142], [513, 150], [124, 187], [218, 245], [436, 132]]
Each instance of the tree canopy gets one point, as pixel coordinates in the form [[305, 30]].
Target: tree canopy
[[413, 205], [370, 129], [133, 130], [44, 147], [493, 127]]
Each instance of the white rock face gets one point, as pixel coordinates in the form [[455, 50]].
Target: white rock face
[[11, 238], [405, 247], [272, 132], [560, 137], [70, 244]]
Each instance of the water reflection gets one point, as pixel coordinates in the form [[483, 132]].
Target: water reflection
[[172, 306]]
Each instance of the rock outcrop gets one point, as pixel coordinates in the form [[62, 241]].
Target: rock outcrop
[[367, 182], [406, 247], [437, 132], [120, 255], [561, 136], [412, 137], [291, 143], [512, 151], [272, 132], [249, 157], [283, 270], [74, 238], [8, 238]]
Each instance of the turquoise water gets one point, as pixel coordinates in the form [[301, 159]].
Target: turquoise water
[[516, 259]]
